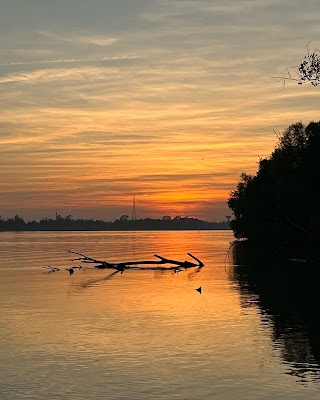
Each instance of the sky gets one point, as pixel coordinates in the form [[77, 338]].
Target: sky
[[165, 100]]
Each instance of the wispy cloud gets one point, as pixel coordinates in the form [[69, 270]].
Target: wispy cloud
[[99, 40], [169, 99], [66, 61]]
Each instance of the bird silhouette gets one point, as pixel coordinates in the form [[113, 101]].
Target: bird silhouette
[[199, 289], [71, 270]]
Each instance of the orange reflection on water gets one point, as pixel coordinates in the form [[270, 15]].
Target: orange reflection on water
[[151, 325]]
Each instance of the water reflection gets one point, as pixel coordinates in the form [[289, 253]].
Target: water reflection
[[286, 293]]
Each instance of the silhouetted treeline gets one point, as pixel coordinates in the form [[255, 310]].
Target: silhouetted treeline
[[68, 223], [280, 203]]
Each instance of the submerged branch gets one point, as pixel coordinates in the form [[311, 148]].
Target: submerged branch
[[149, 264]]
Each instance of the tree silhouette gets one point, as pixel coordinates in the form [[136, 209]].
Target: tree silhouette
[[124, 223], [308, 70], [280, 202]]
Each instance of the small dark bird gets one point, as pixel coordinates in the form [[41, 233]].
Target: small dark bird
[[71, 270], [199, 289]]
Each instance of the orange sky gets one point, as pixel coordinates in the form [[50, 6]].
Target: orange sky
[[167, 101]]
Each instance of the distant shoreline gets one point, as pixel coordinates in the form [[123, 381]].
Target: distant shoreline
[[115, 230], [17, 224]]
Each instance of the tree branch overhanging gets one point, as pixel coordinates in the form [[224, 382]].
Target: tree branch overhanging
[[308, 71]]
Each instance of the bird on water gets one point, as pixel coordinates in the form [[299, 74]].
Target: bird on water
[[71, 270]]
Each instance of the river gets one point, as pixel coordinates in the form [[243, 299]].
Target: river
[[150, 335]]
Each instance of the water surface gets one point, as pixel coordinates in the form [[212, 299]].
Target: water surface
[[149, 334]]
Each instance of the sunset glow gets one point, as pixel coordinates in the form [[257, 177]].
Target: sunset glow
[[169, 101]]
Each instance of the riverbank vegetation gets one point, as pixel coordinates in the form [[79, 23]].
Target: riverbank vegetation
[[68, 223], [280, 203]]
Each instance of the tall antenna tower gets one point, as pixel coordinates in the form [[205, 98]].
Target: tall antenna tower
[[134, 214]]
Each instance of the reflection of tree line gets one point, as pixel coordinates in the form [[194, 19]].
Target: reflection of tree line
[[287, 293], [17, 223]]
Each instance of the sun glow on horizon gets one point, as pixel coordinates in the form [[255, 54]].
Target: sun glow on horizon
[[172, 106]]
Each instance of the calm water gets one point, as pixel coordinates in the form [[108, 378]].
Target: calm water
[[147, 334]]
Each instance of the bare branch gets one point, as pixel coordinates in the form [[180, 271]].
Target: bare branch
[[308, 70], [154, 265], [277, 134], [135, 264]]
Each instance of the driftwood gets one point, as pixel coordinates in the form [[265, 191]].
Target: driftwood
[[155, 265]]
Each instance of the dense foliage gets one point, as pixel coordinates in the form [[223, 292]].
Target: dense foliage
[[280, 203]]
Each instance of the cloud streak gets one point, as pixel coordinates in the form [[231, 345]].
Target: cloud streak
[[168, 100]]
